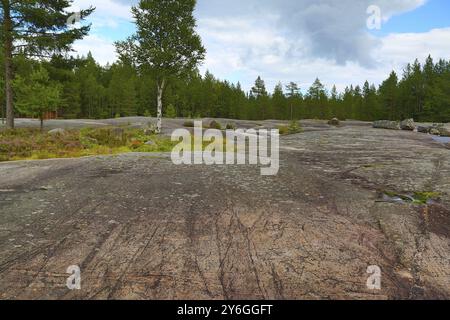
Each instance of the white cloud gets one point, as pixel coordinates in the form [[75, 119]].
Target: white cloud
[[102, 49], [290, 40], [106, 9], [404, 47]]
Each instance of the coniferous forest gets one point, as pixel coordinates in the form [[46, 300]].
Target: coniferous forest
[[89, 90], [37, 60]]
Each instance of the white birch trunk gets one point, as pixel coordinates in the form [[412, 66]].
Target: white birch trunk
[[160, 106]]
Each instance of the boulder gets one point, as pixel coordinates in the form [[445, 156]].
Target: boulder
[[58, 131], [444, 132], [439, 129], [386, 124], [408, 125], [434, 131], [438, 125], [334, 122], [423, 129]]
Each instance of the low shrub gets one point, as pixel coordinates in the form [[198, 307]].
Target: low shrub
[[171, 112], [231, 126], [111, 137], [215, 125], [32, 144], [293, 128]]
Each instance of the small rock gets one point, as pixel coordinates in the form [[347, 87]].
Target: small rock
[[408, 125], [150, 143], [405, 274], [386, 124], [423, 129], [58, 131], [150, 129], [334, 122]]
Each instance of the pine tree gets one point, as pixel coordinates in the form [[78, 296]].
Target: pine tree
[[389, 96], [318, 103], [259, 89], [37, 94], [279, 102], [293, 94], [35, 29], [260, 99], [122, 90]]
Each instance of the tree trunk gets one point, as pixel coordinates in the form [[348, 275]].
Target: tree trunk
[[160, 106], [8, 47], [41, 118]]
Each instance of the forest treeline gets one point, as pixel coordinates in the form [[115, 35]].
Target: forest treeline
[[89, 90]]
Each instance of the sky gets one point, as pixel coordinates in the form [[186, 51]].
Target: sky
[[338, 41]]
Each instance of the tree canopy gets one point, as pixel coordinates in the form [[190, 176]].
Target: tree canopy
[[36, 29], [165, 44]]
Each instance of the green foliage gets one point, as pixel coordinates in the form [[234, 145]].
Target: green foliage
[[231, 126], [91, 91], [215, 125], [171, 112], [36, 94], [121, 90], [111, 137], [293, 128], [165, 43], [42, 28], [425, 197], [32, 144], [36, 29]]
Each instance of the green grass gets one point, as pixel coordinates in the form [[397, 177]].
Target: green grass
[[31, 144], [425, 197]]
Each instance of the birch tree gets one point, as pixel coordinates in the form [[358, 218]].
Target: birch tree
[[165, 44]]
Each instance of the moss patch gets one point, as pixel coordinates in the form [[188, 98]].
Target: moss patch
[[416, 197], [425, 197]]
